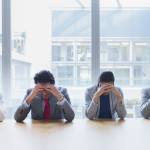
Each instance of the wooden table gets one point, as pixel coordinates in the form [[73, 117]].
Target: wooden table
[[131, 134]]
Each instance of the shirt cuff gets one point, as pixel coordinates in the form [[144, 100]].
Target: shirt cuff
[[26, 104], [61, 102]]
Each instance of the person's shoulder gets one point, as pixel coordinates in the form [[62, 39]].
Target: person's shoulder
[[145, 90], [62, 89], [29, 90], [91, 89], [119, 88]]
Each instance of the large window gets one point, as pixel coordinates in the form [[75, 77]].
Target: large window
[[114, 51], [63, 36], [54, 36], [124, 47], [71, 44], [30, 45], [71, 48]]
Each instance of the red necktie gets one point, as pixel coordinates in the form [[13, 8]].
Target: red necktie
[[47, 111]]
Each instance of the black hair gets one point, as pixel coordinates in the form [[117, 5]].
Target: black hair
[[106, 76], [44, 76]]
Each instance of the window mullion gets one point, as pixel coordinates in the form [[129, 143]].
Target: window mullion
[[95, 13], [6, 49]]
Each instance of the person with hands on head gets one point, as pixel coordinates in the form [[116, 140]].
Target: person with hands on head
[[45, 100], [105, 100]]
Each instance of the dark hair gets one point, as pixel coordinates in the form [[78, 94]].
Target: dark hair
[[106, 76], [44, 76]]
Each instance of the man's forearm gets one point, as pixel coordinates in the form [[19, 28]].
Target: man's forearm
[[67, 110], [29, 99], [21, 113]]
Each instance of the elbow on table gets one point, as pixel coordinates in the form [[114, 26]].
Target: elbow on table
[[145, 113], [123, 115], [89, 115], [18, 117], [71, 117]]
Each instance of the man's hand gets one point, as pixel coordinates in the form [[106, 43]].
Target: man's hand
[[54, 91], [36, 90]]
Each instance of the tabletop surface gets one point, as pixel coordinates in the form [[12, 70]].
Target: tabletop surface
[[81, 134]]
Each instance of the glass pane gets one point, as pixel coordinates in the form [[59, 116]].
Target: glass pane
[[62, 52], [84, 52], [142, 75], [124, 3], [114, 51], [71, 48], [141, 51], [55, 36], [71, 40], [124, 48], [31, 50], [83, 75], [64, 74]]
